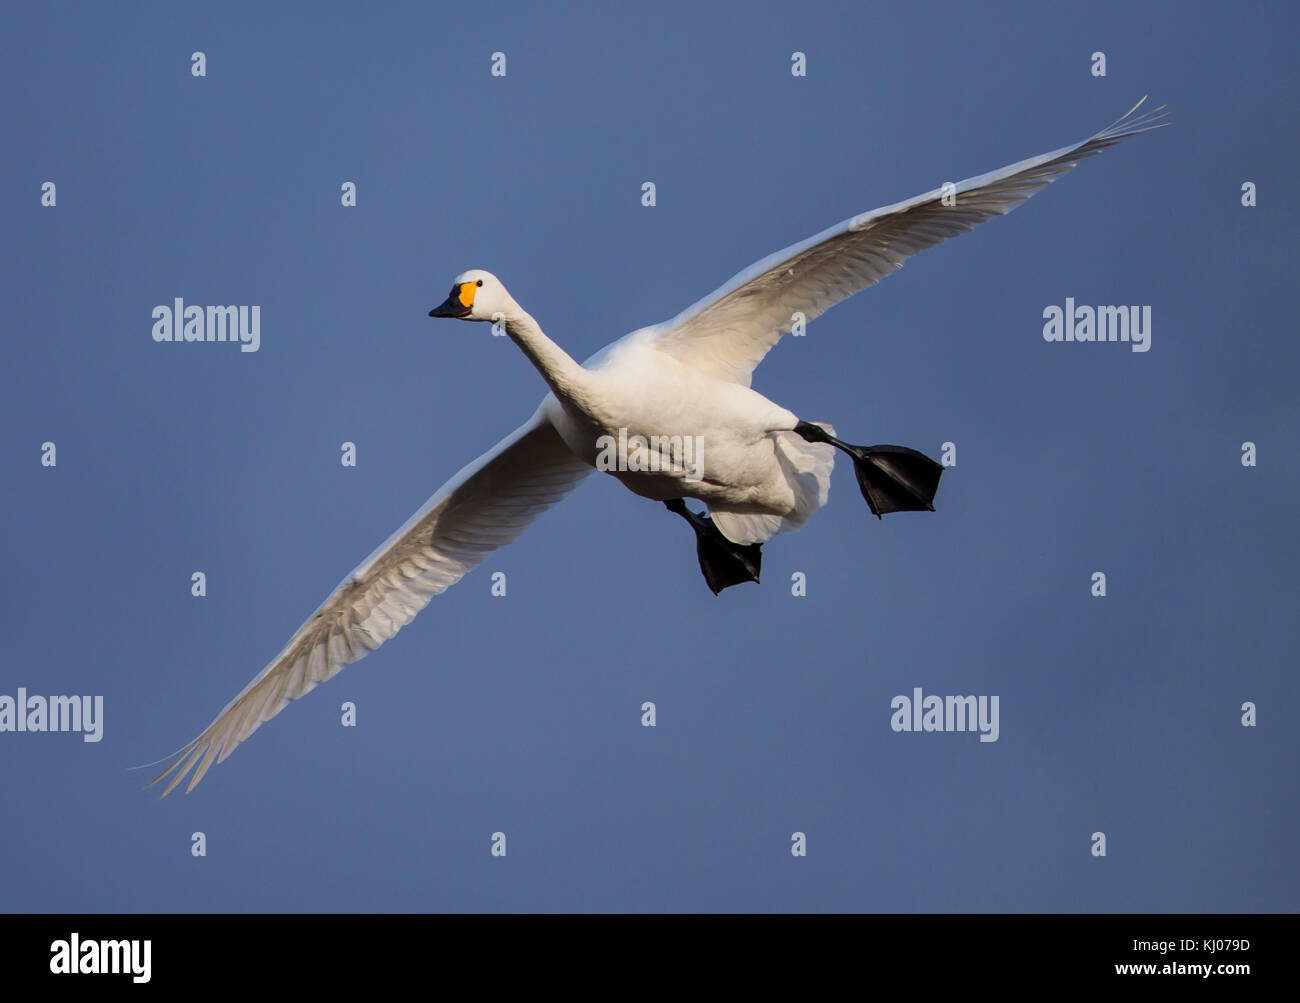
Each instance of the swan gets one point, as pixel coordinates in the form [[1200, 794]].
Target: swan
[[758, 468]]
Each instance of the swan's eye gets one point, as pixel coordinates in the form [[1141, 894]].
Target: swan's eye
[[480, 282]]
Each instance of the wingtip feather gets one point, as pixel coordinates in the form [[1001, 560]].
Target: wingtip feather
[[180, 775], [1130, 125]]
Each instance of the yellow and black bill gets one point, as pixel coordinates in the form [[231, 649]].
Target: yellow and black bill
[[459, 303]]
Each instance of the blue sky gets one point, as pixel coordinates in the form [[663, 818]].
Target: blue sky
[[522, 714]]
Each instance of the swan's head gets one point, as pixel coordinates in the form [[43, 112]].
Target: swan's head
[[475, 295]]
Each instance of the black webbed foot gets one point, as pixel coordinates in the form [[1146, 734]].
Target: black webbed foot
[[892, 478], [724, 563]]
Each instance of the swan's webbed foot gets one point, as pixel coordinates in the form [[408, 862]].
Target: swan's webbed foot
[[724, 563], [892, 478]]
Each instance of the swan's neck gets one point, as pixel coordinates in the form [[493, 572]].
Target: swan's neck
[[565, 377]]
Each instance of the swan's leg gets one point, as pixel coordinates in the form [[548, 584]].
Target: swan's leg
[[892, 478], [724, 563]]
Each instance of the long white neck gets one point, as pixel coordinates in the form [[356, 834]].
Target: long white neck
[[565, 377]]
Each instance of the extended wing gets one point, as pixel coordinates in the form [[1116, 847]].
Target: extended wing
[[727, 333], [485, 506]]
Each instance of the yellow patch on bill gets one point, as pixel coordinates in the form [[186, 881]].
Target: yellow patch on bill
[[467, 293]]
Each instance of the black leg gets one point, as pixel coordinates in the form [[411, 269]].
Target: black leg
[[724, 563], [892, 478]]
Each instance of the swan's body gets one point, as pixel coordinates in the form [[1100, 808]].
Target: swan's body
[[637, 390], [761, 471]]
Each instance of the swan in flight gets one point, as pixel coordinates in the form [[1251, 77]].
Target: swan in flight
[[676, 400]]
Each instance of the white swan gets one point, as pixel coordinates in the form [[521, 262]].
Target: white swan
[[761, 470]]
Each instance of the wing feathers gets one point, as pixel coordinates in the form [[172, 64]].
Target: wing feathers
[[485, 506], [727, 333]]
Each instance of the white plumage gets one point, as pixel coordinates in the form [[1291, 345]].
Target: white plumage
[[688, 376]]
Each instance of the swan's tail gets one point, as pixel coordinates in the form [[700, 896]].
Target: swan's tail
[[807, 467]]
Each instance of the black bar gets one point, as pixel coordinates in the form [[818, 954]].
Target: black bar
[[923, 952]]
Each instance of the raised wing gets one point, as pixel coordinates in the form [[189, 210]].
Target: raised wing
[[483, 507], [727, 333]]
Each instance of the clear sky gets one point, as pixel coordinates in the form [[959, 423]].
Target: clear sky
[[522, 714]]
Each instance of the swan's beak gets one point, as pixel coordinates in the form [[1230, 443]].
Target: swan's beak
[[451, 308], [458, 304]]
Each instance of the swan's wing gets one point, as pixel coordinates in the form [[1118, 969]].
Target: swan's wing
[[727, 333], [483, 507]]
